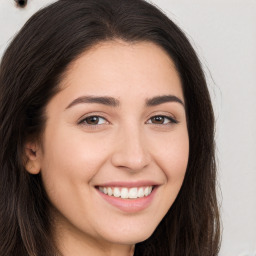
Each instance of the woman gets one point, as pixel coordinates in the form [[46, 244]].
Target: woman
[[107, 136]]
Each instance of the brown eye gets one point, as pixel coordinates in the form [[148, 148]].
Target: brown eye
[[93, 120], [162, 120], [158, 119]]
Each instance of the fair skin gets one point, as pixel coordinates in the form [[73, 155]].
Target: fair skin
[[125, 138]]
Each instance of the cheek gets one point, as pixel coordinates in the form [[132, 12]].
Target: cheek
[[172, 155], [69, 162], [68, 150], [172, 158]]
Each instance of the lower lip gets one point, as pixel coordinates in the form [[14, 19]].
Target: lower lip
[[129, 205]]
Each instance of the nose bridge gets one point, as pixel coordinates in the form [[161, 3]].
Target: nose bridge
[[131, 149]]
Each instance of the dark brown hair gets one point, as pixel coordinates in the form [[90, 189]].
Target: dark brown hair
[[30, 72]]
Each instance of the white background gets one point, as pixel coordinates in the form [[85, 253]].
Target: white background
[[224, 35]]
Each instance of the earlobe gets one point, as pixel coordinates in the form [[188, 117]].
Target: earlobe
[[32, 163]]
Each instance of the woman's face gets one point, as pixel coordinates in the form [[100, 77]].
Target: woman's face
[[116, 131]]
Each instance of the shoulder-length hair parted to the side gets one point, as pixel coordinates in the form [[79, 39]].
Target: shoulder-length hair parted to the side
[[30, 72]]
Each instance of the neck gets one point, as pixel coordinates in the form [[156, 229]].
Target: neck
[[75, 247]]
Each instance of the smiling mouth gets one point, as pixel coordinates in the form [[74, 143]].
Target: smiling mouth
[[127, 193]]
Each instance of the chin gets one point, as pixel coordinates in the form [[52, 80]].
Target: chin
[[125, 236]]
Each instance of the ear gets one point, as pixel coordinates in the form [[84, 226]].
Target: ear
[[33, 163]]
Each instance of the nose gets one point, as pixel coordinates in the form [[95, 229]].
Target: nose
[[131, 151]]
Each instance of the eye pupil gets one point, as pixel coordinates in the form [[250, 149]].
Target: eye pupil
[[92, 120], [158, 120]]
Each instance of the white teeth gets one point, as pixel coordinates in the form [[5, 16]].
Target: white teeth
[[146, 191], [133, 193], [117, 192], [125, 193], [110, 191], [140, 192]]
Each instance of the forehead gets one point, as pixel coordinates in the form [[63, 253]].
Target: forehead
[[121, 68]]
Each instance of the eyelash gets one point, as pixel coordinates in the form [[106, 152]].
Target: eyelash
[[170, 119]]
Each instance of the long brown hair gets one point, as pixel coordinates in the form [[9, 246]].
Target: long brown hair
[[30, 72]]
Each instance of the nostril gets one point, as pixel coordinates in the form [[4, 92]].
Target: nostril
[[21, 3]]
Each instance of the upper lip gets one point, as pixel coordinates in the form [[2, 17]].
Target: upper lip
[[143, 183]]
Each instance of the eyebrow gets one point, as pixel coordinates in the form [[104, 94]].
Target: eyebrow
[[163, 99], [112, 102], [104, 100]]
